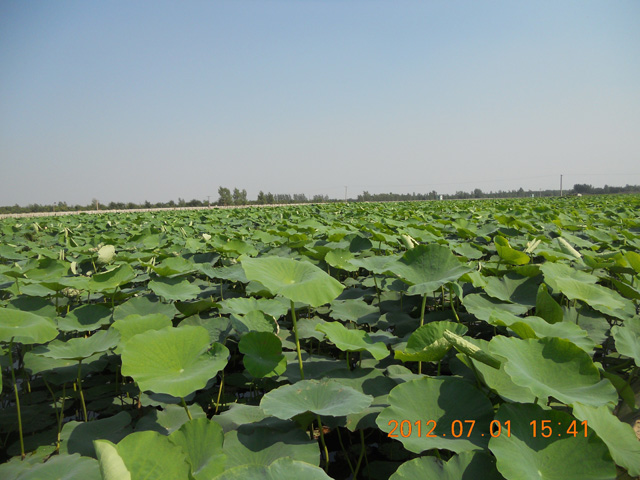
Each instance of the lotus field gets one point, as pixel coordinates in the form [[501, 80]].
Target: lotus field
[[465, 339]]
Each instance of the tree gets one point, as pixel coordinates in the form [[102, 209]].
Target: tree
[[261, 198], [239, 197], [269, 198], [224, 195]]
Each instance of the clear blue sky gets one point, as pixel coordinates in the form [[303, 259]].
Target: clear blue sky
[[155, 100]]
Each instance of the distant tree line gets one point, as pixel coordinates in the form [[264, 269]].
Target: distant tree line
[[238, 197]]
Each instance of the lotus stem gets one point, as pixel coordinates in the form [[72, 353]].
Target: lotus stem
[[324, 445], [295, 333], [79, 382], [375, 281], [346, 454], [186, 409], [15, 391], [219, 393], [422, 309], [362, 451], [453, 308]]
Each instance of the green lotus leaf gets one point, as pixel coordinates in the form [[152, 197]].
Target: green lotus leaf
[[508, 254], [618, 436], [547, 307], [377, 265], [174, 266], [326, 397], [523, 456], [106, 254], [78, 437], [276, 307], [293, 279], [513, 288], [459, 467], [25, 327], [427, 343], [351, 340], [171, 418], [554, 367], [135, 324], [497, 380], [261, 446], [64, 467], [341, 259], [354, 310], [201, 440], [262, 354], [79, 348], [240, 414], [627, 337], [174, 288], [472, 350], [536, 327], [443, 401], [428, 267], [634, 260], [281, 469], [253, 321], [46, 270], [85, 318], [172, 360], [482, 306], [109, 281], [142, 455], [598, 297], [144, 305]]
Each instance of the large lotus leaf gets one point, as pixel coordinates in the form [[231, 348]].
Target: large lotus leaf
[[281, 469], [354, 310], [109, 281], [427, 267], [377, 265], [560, 456], [170, 418], [62, 371], [46, 270], [508, 254], [261, 446], [25, 327], [513, 288], [276, 307], [598, 297], [427, 343], [634, 260], [63, 467], [78, 437], [554, 367], [144, 305], [326, 397], [254, 321], [173, 360], [106, 254], [262, 354], [79, 348], [469, 349], [39, 306], [536, 327], [174, 266], [350, 340], [293, 279], [174, 288], [240, 414], [135, 324], [497, 379], [142, 456], [340, 259], [466, 465], [547, 307], [201, 440], [443, 401], [482, 306], [618, 436], [554, 271], [627, 338], [85, 318]]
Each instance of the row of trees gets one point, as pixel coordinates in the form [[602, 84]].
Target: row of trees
[[227, 197]]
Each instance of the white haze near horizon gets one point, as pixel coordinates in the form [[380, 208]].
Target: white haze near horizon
[[158, 100]]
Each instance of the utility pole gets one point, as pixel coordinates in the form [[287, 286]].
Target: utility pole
[[560, 185], [345, 193], [209, 201]]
